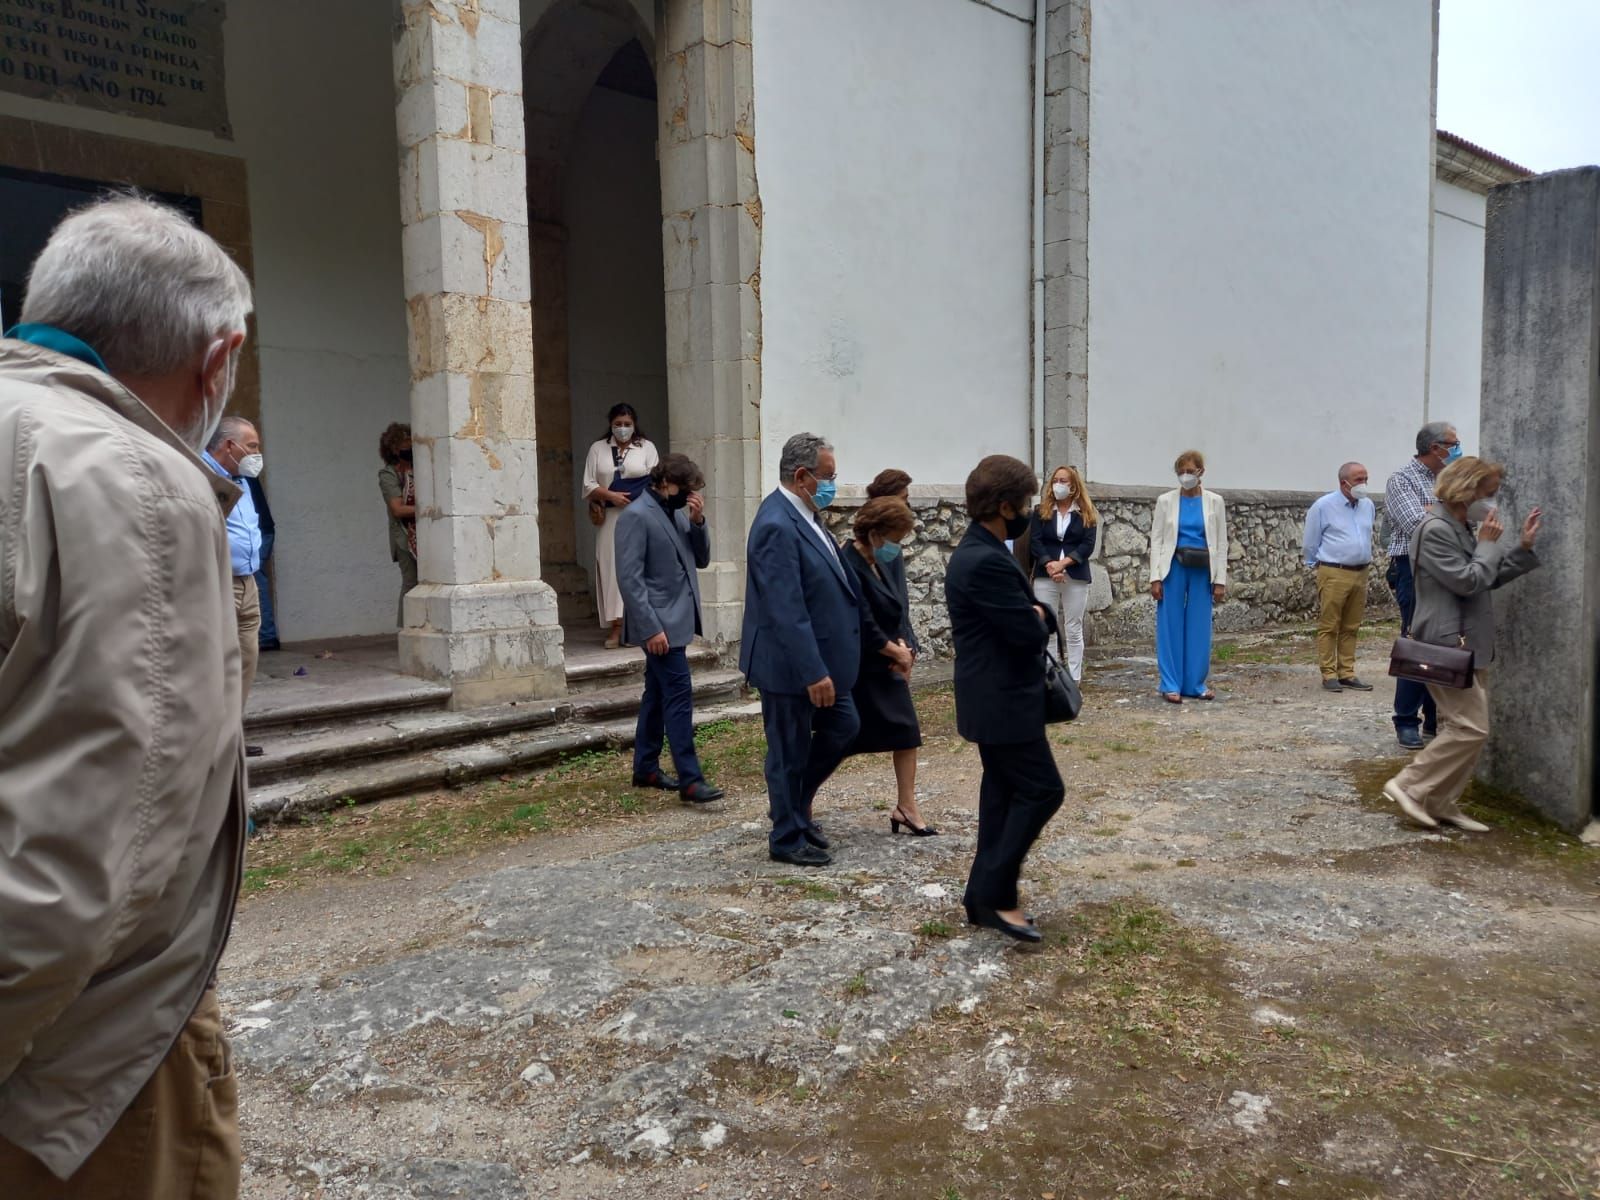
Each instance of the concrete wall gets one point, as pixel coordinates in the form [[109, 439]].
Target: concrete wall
[[1456, 357], [616, 308], [1541, 370], [1258, 237], [893, 160], [322, 166]]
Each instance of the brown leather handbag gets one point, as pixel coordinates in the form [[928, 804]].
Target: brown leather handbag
[[1447, 666]]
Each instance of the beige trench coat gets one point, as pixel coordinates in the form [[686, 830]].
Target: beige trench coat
[[121, 750]]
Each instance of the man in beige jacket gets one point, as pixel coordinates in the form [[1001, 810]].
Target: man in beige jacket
[[121, 764]]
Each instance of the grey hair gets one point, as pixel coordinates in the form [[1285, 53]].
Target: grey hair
[[1430, 433], [228, 427], [802, 450], [137, 282], [1349, 469]]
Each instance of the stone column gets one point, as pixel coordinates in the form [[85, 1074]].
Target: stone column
[[1541, 417], [1066, 233], [479, 619], [712, 254]]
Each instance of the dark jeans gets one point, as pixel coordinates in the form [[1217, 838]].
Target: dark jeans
[[667, 707], [1020, 792], [269, 623], [1409, 695], [805, 745]]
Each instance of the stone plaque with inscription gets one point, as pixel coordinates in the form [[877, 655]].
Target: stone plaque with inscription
[[158, 59]]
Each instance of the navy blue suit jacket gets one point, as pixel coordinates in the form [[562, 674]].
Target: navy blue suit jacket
[[802, 613]]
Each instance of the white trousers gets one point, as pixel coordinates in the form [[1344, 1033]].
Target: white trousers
[[1069, 599]]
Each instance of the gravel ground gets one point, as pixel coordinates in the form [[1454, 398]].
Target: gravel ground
[[1256, 980]]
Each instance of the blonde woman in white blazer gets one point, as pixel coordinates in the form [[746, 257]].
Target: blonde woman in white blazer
[[1188, 572]]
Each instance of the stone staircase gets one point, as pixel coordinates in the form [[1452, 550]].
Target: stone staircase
[[328, 752]]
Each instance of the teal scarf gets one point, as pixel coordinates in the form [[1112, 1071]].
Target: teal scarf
[[60, 341]]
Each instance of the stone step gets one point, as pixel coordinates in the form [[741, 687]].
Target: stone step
[[320, 706], [592, 673], [450, 765]]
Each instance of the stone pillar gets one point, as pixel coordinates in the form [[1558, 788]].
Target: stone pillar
[[711, 229], [479, 619], [1541, 417], [1066, 233]]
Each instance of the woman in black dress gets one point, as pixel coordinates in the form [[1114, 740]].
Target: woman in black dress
[[883, 692]]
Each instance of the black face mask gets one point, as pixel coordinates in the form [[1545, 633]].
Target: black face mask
[[405, 455], [1016, 526], [674, 503]]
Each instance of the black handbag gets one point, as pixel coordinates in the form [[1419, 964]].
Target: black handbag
[[1193, 556], [1447, 666], [1062, 699]]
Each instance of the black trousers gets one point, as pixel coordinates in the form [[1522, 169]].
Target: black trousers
[[1021, 791], [805, 745]]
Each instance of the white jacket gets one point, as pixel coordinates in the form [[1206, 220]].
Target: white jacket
[[1164, 536]]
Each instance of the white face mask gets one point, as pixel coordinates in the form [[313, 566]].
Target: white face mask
[[251, 465], [622, 433], [1061, 490], [1188, 479], [1358, 491], [1479, 509]]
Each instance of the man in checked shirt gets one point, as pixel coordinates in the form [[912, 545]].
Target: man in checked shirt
[[1407, 498]]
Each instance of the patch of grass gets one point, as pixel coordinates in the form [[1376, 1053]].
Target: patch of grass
[[935, 929], [1225, 651], [1122, 748], [857, 985]]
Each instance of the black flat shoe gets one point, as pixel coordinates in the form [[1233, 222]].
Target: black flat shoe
[[972, 918], [989, 919], [814, 835], [806, 856], [253, 751], [896, 823], [656, 780], [701, 793]]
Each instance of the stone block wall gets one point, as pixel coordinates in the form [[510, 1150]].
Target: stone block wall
[[1267, 585]]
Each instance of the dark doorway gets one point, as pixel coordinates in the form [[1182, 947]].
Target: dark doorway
[[33, 204]]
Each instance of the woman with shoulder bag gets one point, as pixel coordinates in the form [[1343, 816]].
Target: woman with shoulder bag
[[615, 474], [1000, 634], [1061, 537], [1455, 571], [1188, 574]]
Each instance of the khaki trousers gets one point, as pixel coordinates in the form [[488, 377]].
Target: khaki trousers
[[1342, 599], [247, 607], [178, 1140], [1441, 770]]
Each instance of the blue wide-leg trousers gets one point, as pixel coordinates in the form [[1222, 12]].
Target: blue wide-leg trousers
[[1183, 630]]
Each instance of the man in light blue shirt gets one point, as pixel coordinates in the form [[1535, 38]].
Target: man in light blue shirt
[[234, 452], [1338, 546]]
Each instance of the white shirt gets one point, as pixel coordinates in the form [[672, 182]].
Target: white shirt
[[1063, 519], [810, 518]]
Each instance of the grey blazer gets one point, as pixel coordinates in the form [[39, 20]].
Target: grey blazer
[[1454, 575], [657, 553]]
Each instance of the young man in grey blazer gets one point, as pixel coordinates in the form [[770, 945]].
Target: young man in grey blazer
[[661, 541]]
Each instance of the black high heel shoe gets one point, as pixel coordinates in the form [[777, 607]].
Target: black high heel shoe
[[990, 919], [896, 823]]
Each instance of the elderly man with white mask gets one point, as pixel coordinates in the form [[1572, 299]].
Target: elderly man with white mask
[[122, 816]]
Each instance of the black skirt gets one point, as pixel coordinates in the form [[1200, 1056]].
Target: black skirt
[[888, 716]]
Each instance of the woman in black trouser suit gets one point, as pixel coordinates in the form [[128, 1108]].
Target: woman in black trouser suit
[[1000, 635]]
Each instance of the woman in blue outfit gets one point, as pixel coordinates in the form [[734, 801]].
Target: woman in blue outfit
[[1188, 573]]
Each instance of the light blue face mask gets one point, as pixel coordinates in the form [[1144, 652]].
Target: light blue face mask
[[887, 552], [1455, 453], [825, 492]]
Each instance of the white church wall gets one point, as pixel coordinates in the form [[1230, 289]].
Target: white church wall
[[1456, 359], [1258, 237], [322, 166], [893, 153]]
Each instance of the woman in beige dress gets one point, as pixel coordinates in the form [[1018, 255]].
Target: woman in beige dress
[[616, 471]]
